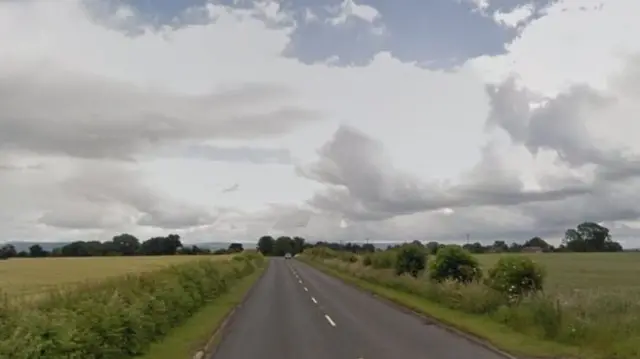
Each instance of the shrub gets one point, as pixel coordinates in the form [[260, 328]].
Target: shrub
[[117, 317], [411, 259], [516, 276], [383, 260], [367, 261], [454, 263]]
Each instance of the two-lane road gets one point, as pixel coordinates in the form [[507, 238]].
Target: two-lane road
[[298, 312]]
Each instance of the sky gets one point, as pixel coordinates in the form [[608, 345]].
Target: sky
[[333, 120]]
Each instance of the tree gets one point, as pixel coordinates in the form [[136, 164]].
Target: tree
[[7, 251], [282, 246], [161, 246], [126, 244], [235, 248], [36, 251], [590, 237], [266, 245]]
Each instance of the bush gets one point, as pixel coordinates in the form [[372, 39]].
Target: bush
[[454, 263], [367, 261], [411, 259], [383, 260], [118, 317], [516, 276]]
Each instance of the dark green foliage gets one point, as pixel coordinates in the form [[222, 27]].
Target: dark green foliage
[[454, 263], [117, 318], [516, 276], [411, 259]]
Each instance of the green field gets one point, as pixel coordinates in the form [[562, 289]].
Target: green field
[[589, 308], [29, 276], [571, 273]]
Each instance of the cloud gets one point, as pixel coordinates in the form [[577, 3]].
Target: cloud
[[362, 183], [111, 122], [64, 112], [240, 154], [349, 9]]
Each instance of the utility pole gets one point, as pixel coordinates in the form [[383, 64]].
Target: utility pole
[[467, 238]]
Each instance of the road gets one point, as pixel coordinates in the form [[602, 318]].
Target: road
[[298, 312]]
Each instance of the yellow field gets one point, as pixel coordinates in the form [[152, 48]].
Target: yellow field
[[575, 272], [28, 276]]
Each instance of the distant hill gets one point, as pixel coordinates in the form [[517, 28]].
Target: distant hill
[[47, 246]]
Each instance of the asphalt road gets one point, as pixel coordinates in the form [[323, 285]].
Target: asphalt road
[[298, 312]]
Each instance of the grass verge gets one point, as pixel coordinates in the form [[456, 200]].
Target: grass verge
[[500, 336], [185, 340]]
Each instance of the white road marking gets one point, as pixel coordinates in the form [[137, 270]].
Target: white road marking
[[333, 324], [314, 300], [299, 281], [306, 289]]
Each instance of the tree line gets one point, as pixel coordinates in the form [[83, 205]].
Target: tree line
[[121, 245], [586, 237]]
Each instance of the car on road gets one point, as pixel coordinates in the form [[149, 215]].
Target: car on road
[[287, 256]]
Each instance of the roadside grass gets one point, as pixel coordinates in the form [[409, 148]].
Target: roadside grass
[[601, 321], [185, 340], [120, 316], [24, 277]]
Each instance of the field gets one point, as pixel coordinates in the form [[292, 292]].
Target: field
[[29, 276], [590, 306], [118, 307], [571, 273]]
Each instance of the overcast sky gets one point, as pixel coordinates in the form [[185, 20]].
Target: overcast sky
[[388, 120]]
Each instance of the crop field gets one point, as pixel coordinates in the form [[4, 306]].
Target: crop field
[[573, 273], [32, 276]]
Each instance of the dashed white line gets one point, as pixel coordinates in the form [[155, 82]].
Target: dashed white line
[[314, 300], [333, 324], [299, 281], [306, 289]]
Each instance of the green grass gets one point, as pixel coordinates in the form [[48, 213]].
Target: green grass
[[193, 335], [570, 273], [591, 301], [500, 336]]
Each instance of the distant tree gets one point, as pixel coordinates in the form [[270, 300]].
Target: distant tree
[[7, 251], [499, 247], [266, 245], [158, 246], [590, 237], [36, 251], [235, 248], [126, 244], [282, 246], [538, 242]]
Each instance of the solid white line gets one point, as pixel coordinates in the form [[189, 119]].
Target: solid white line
[[314, 300], [306, 289], [333, 324]]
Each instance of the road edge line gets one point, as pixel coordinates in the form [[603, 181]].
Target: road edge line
[[220, 332], [451, 329]]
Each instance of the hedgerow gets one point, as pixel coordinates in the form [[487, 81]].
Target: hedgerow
[[118, 317]]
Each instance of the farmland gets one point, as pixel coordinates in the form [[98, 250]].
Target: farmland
[[116, 307], [589, 306], [569, 273], [28, 276]]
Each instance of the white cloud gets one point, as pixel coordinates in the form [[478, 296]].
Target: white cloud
[[515, 17], [350, 9], [99, 124]]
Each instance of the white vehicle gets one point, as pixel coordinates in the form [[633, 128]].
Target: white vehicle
[[287, 256]]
